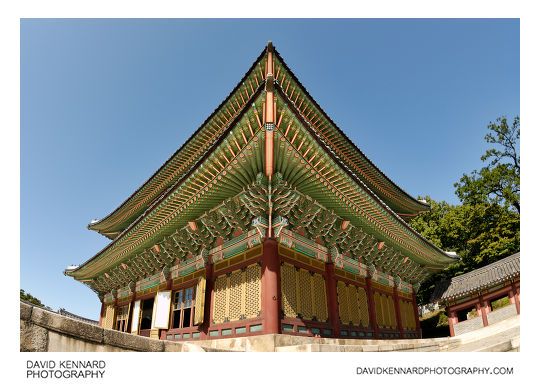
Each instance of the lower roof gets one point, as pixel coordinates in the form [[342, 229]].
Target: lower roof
[[475, 280]]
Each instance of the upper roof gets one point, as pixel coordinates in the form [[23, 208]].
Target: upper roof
[[475, 280], [231, 159], [198, 145]]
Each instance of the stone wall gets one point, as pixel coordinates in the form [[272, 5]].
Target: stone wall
[[46, 331], [501, 314], [468, 326]]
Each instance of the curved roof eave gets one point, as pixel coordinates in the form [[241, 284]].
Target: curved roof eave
[[100, 222], [350, 142], [454, 258], [172, 188]]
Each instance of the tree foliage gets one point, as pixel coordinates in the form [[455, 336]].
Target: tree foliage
[[499, 181], [480, 234], [30, 298], [485, 227]]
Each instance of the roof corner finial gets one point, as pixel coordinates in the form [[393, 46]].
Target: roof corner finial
[[269, 46], [269, 84]]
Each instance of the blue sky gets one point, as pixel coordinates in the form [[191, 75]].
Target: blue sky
[[105, 102]]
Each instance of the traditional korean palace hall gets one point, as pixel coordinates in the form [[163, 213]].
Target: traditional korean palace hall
[[481, 297], [267, 220]]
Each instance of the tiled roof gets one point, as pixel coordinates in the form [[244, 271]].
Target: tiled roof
[[481, 278], [66, 313]]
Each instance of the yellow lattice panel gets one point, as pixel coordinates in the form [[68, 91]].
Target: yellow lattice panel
[[363, 307], [378, 309], [388, 311], [343, 303], [320, 310], [354, 310], [411, 324], [253, 291], [407, 315], [392, 308], [200, 293], [304, 286], [411, 316], [403, 312], [288, 290], [108, 321], [384, 311], [220, 299], [235, 296]]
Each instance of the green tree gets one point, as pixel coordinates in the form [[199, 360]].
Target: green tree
[[480, 234], [499, 181], [30, 298]]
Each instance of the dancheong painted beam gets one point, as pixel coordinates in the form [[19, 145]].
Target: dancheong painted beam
[[267, 220]]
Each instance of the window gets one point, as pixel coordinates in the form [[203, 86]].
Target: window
[[146, 313], [122, 318], [183, 308]]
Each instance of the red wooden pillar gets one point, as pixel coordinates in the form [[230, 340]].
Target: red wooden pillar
[[452, 318], [101, 314], [270, 287], [371, 307], [331, 295], [481, 311], [512, 296], [416, 318], [209, 271], [398, 312]]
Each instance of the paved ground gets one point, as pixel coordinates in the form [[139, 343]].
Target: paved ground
[[500, 337]]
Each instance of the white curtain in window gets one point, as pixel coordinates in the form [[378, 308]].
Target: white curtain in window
[[161, 310], [135, 318]]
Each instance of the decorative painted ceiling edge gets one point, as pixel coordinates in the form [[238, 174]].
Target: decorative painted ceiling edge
[[125, 215], [353, 176], [193, 245], [104, 225], [185, 177], [217, 145], [419, 206]]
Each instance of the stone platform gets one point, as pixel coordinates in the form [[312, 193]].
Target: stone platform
[[42, 330]]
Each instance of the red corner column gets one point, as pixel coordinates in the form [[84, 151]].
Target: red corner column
[[101, 314], [371, 307], [331, 295], [209, 270], [452, 320], [270, 287], [482, 308], [398, 312], [512, 296], [416, 318]]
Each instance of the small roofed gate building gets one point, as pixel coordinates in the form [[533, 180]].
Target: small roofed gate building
[[267, 220], [481, 297]]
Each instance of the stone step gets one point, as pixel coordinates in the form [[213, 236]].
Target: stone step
[[499, 342], [374, 347]]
